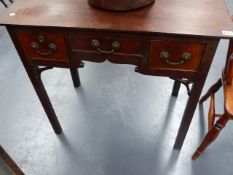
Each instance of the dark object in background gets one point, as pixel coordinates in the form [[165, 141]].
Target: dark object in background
[[3, 2], [120, 5]]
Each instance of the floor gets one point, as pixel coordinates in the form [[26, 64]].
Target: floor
[[117, 123]]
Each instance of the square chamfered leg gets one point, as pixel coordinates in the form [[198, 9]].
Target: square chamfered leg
[[176, 88], [34, 73], [195, 94], [75, 77]]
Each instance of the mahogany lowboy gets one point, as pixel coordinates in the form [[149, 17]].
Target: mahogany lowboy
[[144, 51], [164, 39]]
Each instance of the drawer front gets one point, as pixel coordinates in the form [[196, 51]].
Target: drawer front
[[127, 50], [43, 46], [175, 55]]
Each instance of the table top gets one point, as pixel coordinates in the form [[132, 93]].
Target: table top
[[208, 18]]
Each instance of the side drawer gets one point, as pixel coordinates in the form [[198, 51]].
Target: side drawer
[[175, 55], [43, 45]]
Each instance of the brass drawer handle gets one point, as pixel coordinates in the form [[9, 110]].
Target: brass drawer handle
[[96, 44], [51, 46], [184, 58]]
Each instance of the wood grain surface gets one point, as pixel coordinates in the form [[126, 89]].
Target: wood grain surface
[[199, 18]]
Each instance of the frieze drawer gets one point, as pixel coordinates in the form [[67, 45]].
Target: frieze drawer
[[127, 50], [43, 46], [175, 55]]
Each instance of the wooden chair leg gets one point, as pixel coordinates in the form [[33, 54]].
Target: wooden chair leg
[[211, 136], [11, 1], [211, 114], [213, 89]]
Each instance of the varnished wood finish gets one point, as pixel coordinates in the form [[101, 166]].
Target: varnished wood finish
[[204, 18], [122, 5], [228, 95], [175, 49], [128, 45], [230, 70], [130, 50], [211, 113], [28, 37], [167, 25]]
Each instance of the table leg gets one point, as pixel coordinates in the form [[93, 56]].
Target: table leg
[[198, 84], [75, 77], [176, 88], [34, 75]]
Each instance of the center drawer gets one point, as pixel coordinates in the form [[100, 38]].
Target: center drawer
[[126, 50]]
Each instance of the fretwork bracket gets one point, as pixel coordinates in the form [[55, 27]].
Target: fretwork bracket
[[186, 82], [38, 70]]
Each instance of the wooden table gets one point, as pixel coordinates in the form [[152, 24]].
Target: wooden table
[[172, 38]]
